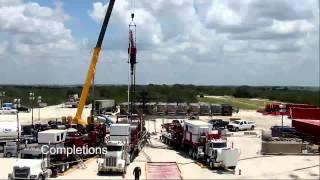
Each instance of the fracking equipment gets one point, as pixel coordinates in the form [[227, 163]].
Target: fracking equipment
[[132, 60], [201, 143]]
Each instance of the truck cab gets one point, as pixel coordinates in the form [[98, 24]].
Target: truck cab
[[217, 154], [31, 165], [116, 158]]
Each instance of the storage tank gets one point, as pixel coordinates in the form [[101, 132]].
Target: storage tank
[[204, 109], [161, 108], [172, 108], [194, 108], [9, 130], [216, 109], [182, 109]]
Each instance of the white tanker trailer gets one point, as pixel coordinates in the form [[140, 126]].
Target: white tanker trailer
[[9, 131]]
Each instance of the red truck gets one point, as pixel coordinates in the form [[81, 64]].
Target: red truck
[[201, 142]]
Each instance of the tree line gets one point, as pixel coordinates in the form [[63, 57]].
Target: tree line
[[163, 93]]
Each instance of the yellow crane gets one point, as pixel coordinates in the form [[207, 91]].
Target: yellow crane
[[95, 56]]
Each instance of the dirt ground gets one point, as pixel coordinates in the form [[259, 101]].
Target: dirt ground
[[47, 113], [252, 165]]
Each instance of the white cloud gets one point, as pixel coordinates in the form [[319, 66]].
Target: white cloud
[[217, 34], [35, 29], [179, 41]]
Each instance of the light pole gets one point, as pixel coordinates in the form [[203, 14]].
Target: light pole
[[2, 94], [39, 102], [17, 104], [282, 110], [31, 98]]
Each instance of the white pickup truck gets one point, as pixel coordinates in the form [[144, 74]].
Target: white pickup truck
[[238, 125]]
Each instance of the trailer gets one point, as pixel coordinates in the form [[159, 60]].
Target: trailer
[[194, 109], [204, 109], [161, 108], [104, 105], [216, 109], [305, 113], [172, 108], [275, 108], [182, 109], [226, 110]]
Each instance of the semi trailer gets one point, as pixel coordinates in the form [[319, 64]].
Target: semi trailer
[[201, 143]]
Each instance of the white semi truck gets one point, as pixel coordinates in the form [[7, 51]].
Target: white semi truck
[[27, 168], [117, 157], [36, 162], [201, 143]]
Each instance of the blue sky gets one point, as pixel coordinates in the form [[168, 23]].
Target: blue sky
[[212, 42]]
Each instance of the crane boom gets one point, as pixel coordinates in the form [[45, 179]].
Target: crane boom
[[92, 67]]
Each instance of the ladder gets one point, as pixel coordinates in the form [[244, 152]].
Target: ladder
[[80, 164]]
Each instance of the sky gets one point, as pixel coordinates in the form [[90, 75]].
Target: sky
[[201, 42]]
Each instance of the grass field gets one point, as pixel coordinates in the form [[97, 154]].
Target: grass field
[[242, 103]]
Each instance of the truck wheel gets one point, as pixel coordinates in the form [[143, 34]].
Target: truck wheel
[[41, 177], [62, 168], [211, 164], [67, 166], [8, 154], [131, 157], [194, 155], [252, 127], [190, 152], [237, 129]]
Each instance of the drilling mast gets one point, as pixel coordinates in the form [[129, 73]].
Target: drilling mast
[[132, 52]]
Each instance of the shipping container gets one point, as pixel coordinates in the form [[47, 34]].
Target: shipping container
[[308, 127], [305, 113]]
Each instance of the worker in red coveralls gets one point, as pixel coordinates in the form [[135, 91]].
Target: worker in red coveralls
[[137, 173]]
